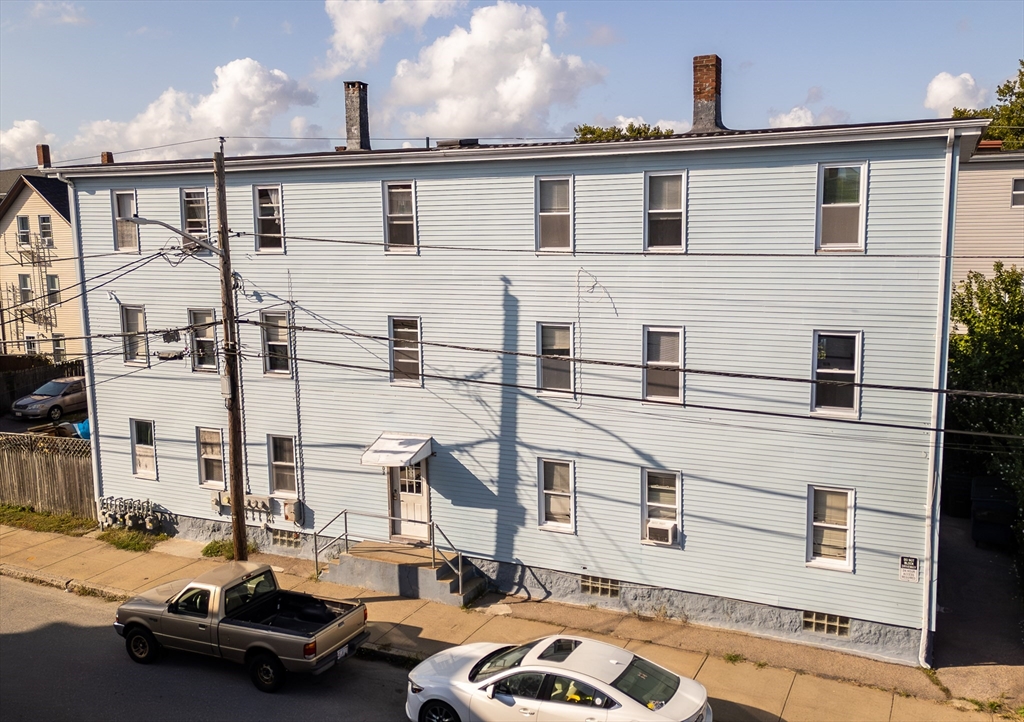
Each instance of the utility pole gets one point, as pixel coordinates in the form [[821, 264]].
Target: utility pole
[[229, 388]]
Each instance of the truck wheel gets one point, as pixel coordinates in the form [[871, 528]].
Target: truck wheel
[[437, 711], [267, 672], [141, 646]]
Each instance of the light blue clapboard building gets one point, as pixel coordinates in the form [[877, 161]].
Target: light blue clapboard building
[[732, 420]]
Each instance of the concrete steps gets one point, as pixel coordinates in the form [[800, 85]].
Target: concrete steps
[[406, 570]]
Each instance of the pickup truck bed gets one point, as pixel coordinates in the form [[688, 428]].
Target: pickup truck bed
[[290, 612]]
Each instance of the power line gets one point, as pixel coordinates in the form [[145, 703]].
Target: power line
[[65, 258]]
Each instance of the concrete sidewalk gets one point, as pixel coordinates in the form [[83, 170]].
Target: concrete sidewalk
[[748, 678]]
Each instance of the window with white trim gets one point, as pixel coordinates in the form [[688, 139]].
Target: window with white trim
[[836, 372], [126, 233], [660, 498], [281, 450], [59, 351], [134, 342], [556, 494], [52, 289], [405, 350], [1017, 193], [211, 457], [31, 346], [143, 449], [400, 216], [665, 211], [204, 340], [662, 364], [841, 194], [276, 342], [24, 288], [46, 231], [194, 215], [24, 233], [269, 224], [555, 374], [554, 214], [830, 527]]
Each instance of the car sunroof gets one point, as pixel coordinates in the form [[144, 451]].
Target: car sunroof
[[558, 650]]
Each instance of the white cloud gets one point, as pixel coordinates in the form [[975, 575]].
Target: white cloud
[[245, 99], [601, 35], [677, 126], [831, 116], [362, 26], [814, 95], [65, 13], [946, 91], [798, 116], [498, 78], [18, 143], [561, 26]]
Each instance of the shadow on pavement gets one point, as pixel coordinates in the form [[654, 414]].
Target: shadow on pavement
[[725, 711]]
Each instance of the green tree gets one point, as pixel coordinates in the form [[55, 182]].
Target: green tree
[[1007, 114], [592, 133]]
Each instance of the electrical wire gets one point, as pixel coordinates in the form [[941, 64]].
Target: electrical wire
[[65, 258]]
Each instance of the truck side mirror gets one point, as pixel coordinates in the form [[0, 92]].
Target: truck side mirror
[[173, 607]]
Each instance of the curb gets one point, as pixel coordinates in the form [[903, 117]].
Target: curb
[[77, 586]]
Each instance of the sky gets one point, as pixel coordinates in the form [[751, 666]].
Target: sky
[[128, 76]]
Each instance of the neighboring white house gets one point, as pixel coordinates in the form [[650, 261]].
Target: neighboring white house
[[393, 305]]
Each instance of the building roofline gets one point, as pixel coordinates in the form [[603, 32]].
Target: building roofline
[[969, 129], [24, 181]]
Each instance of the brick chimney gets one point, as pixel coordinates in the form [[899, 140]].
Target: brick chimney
[[707, 94], [357, 119], [43, 156], [106, 157]]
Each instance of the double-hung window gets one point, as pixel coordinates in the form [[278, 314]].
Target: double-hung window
[[194, 215], [24, 288], [276, 342], [665, 211], [134, 341], [660, 506], [400, 221], [405, 350], [126, 233], [661, 364], [554, 214], [830, 527], [557, 491], [211, 457], [52, 289], [204, 340], [31, 345], [841, 206], [59, 352], [555, 367], [143, 449], [836, 372], [269, 225], [1017, 193], [24, 236], [46, 231], [281, 450]]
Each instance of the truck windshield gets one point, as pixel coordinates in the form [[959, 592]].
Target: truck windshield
[[647, 683], [251, 589]]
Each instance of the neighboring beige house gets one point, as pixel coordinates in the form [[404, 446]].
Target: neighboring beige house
[[989, 211], [38, 271]]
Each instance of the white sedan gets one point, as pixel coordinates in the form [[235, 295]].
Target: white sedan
[[554, 679]]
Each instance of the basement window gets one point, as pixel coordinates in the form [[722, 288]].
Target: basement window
[[599, 586], [827, 624], [285, 539]]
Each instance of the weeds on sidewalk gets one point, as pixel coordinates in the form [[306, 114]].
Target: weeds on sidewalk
[[932, 675], [226, 548], [26, 517], [131, 540], [733, 658]]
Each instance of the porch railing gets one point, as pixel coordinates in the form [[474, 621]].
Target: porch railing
[[436, 550]]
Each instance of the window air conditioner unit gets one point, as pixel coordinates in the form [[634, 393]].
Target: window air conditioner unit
[[661, 531], [292, 511]]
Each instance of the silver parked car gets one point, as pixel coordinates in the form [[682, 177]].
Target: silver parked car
[[52, 400], [554, 679]]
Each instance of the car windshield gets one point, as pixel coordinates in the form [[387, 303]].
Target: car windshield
[[647, 683], [51, 388], [499, 660]]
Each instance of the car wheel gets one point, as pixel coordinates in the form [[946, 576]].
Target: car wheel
[[55, 413], [437, 711], [267, 672], [141, 646]]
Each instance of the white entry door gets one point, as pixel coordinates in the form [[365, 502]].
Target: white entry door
[[410, 497]]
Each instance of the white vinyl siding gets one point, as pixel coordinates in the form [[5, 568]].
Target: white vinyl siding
[[989, 224], [405, 350], [666, 212], [837, 364], [554, 214], [143, 449], [204, 340], [210, 450], [400, 217], [830, 528], [269, 219], [557, 495], [135, 343], [555, 374], [126, 233], [842, 194], [276, 343], [281, 450], [662, 360]]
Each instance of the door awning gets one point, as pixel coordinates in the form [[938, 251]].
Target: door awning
[[395, 449]]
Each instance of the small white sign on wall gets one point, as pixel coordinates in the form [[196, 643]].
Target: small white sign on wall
[[909, 569]]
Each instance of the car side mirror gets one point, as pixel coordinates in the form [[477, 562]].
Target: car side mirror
[[173, 607], [490, 691]]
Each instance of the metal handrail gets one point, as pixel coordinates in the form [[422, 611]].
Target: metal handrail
[[434, 549]]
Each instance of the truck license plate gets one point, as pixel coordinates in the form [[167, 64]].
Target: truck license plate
[[343, 652]]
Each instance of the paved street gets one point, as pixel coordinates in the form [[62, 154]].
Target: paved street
[[61, 660]]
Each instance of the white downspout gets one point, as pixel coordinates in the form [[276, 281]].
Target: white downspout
[[931, 523], [90, 376]]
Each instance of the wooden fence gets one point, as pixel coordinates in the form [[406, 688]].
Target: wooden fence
[[48, 473]]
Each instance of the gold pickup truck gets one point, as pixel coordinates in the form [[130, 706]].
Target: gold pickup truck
[[238, 612]]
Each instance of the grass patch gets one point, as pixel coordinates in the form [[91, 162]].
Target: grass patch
[[226, 548], [932, 675], [733, 658], [131, 540], [761, 665], [25, 517]]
